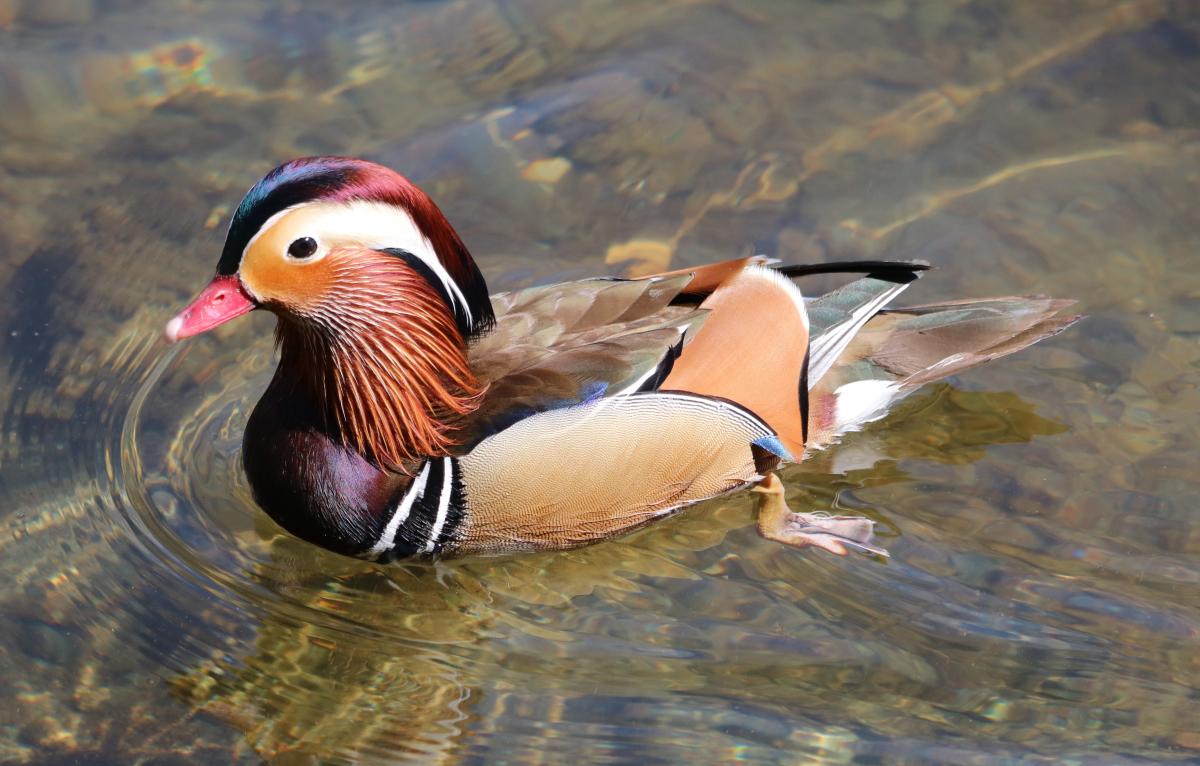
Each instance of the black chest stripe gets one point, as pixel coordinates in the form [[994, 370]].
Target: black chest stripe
[[427, 516]]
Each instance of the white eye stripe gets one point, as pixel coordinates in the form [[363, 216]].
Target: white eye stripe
[[374, 225]]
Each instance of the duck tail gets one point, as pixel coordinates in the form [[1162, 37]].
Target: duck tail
[[898, 351], [922, 344]]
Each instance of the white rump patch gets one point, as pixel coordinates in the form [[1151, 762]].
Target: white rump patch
[[861, 402]]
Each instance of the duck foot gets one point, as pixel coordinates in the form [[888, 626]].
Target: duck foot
[[836, 534]]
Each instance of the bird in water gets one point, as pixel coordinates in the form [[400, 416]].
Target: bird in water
[[412, 414]]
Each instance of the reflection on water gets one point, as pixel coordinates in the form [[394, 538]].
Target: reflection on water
[[1042, 601]]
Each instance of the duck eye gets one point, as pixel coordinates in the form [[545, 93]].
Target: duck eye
[[302, 248]]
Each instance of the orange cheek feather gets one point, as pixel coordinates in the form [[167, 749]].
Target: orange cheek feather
[[272, 279]]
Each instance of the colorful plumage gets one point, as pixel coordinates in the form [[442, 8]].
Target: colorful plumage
[[412, 415]]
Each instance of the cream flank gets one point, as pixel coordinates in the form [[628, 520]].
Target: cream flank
[[380, 356]]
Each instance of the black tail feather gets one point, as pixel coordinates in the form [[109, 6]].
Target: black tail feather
[[900, 272]]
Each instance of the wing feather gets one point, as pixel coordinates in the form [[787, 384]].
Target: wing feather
[[560, 345]]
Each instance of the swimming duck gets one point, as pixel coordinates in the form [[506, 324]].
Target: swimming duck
[[412, 414]]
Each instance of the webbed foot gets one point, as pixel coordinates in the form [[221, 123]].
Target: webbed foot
[[836, 534]]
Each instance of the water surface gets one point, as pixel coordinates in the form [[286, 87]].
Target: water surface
[[1042, 602]]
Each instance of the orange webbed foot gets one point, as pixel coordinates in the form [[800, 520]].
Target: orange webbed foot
[[837, 534]]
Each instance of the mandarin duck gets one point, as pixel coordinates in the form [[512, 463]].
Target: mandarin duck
[[413, 415]]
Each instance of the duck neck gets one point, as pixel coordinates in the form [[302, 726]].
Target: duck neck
[[391, 381]]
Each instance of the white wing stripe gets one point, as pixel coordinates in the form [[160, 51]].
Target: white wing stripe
[[825, 350]]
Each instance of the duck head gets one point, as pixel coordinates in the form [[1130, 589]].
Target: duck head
[[376, 298]]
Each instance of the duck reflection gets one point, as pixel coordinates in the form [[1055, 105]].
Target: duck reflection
[[394, 662]]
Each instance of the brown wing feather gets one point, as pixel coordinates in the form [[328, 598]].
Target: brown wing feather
[[556, 345], [998, 327], [751, 350]]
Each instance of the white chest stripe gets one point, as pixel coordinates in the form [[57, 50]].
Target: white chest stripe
[[443, 503], [388, 538]]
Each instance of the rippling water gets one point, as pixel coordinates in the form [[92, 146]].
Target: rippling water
[[1043, 599]]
